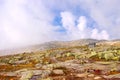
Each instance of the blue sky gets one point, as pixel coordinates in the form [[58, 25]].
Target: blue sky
[[27, 22]]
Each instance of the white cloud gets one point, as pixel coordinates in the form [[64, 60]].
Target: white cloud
[[82, 23], [80, 30], [106, 13], [99, 35], [68, 20]]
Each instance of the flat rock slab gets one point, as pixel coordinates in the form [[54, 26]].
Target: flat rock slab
[[58, 72]]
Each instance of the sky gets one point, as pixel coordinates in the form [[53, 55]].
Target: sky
[[28, 22]]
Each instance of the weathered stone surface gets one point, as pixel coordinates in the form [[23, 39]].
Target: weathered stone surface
[[26, 75], [35, 77], [46, 73], [91, 75], [11, 74], [104, 62], [21, 70], [48, 67], [37, 72], [3, 64], [39, 65], [112, 76], [42, 73], [20, 62], [97, 78], [81, 75], [46, 79], [58, 72]]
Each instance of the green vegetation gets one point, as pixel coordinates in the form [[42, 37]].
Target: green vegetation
[[113, 55]]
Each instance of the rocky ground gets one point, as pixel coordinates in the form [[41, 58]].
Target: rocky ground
[[101, 62]]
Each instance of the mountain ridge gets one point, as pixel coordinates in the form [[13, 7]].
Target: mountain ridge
[[52, 45]]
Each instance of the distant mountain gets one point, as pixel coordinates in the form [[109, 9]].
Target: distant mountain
[[60, 44], [51, 45]]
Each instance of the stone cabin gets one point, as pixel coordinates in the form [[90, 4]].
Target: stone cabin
[[92, 45]]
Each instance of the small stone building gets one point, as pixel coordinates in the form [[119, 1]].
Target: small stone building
[[91, 45]]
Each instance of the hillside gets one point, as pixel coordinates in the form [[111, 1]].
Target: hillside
[[66, 60], [48, 45]]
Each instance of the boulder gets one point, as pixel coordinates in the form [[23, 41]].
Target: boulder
[[58, 72], [39, 65], [82, 75]]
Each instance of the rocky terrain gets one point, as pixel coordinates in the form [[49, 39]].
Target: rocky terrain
[[85, 59]]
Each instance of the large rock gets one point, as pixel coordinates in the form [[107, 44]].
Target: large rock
[[46, 73], [3, 64], [58, 72], [82, 75], [9, 74], [26, 75], [97, 78], [39, 65], [20, 62], [112, 76], [21, 70]]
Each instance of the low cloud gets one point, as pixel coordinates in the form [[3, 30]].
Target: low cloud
[[25, 22]]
